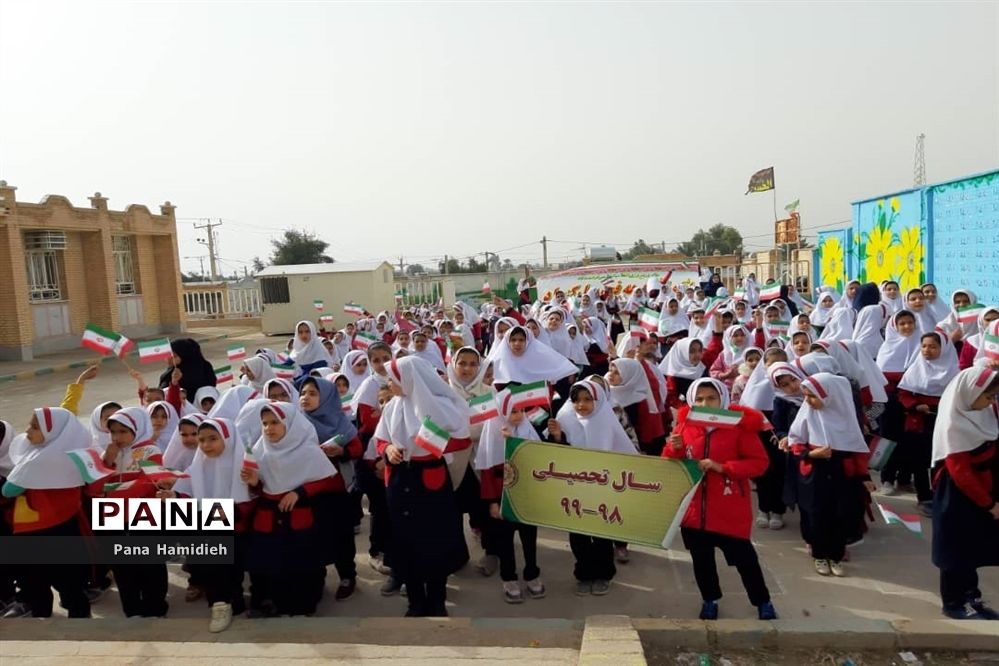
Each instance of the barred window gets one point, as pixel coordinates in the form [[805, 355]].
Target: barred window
[[124, 277], [43, 276], [274, 290]]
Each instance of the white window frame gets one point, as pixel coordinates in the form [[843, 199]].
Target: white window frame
[[124, 268], [44, 284]]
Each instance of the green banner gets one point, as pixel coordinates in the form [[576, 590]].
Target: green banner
[[633, 498]]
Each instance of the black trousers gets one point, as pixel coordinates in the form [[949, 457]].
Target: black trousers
[[501, 538], [70, 581], [770, 486], [221, 583], [828, 530], [739, 553], [594, 557], [380, 534], [292, 592], [959, 586], [426, 597], [916, 450], [342, 523], [142, 589]]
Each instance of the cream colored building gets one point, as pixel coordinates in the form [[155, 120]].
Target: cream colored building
[[62, 267], [288, 293]]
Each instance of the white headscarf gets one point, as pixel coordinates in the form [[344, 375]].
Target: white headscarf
[[260, 366], [823, 308], [296, 458], [600, 430], [203, 393], [286, 385], [248, 420], [976, 339], [835, 424], [313, 351], [731, 352], [218, 476], [892, 304], [560, 340], [100, 437], [670, 324], [177, 456], [231, 402], [759, 392], [46, 465], [781, 369], [677, 362], [343, 346], [577, 346], [598, 333], [634, 385], [939, 309], [355, 379], [960, 429], [839, 326], [931, 377], [952, 322], [166, 433], [897, 351], [6, 462], [718, 385], [816, 362], [867, 331], [875, 379], [431, 353], [425, 395], [537, 362]]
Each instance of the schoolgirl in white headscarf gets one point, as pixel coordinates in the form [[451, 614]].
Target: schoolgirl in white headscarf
[[166, 432], [931, 376], [840, 324], [99, 424], [355, 368], [824, 307], [45, 465], [310, 352], [898, 350], [578, 345], [596, 333], [600, 430], [672, 318], [257, 371], [179, 454], [867, 331], [535, 363]]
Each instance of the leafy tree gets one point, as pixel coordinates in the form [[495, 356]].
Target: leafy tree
[[258, 264], [299, 247], [639, 248], [720, 237], [193, 277], [415, 269], [507, 265]]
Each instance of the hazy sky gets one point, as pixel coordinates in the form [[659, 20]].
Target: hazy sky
[[419, 128]]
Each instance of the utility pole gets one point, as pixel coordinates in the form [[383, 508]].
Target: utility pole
[[401, 270], [544, 251], [210, 242], [445, 264]]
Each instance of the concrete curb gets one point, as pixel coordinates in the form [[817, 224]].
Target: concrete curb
[[79, 365], [611, 640], [851, 634]]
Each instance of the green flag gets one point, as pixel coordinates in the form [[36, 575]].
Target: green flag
[[793, 206]]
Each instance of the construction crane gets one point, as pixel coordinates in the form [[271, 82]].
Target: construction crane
[[919, 162]]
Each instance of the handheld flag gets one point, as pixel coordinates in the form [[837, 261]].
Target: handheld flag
[[529, 395], [739, 295], [105, 342], [648, 319], [482, 409], [991, 343], [326, 319], [713, 417], [761, 181], [283, 371], [250, 460], [236, 352], [318, 305], [432, 438], [881, 450], [486, 289], [537, 416], [156, 472], [346, 403], [363, 340], [969, 313], [779, 328], [90, 463], [909, 521], [713, 305], [223, 374], [155, 350], [353, 309], [770, 291]]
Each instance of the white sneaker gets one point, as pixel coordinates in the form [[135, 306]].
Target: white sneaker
[[512, 593], [837, 569], [762, 519], [822, 567], [535, 588], [221, 617], [776, 522], [887, 489]]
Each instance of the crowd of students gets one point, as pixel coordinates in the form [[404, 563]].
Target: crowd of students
[[816, 385]]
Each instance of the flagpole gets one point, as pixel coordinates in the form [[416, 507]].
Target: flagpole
[[774, 190]]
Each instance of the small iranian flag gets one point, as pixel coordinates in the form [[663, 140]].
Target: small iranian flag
[[779, 328], [105, 342], [713, 417], [363, 340], [236, 352], [770, 291], [648, 319], [90, 463], [318, 305], [607, 282], [326, 319], [353, 309], [157, 472], [713, 305], [529, 395], [537, 416], [120, 487], [223, 374], [155, 350], [250, 460], [482, 409], [991, 346], [432, 438], [346, 403], [881, 450], [486, 289], [283, 371], [908, 520], [969, 313], [739, 295]]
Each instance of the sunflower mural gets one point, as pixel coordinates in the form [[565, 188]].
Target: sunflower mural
[[831, 266], [891, 248]]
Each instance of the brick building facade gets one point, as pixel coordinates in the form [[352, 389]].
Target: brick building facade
[[62, 267]]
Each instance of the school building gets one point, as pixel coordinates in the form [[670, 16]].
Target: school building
[[62, 267]]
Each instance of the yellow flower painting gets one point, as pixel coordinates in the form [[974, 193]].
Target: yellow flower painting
[[832, 267], [880, 258]]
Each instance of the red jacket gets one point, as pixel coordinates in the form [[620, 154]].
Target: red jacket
[[723, 502]]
